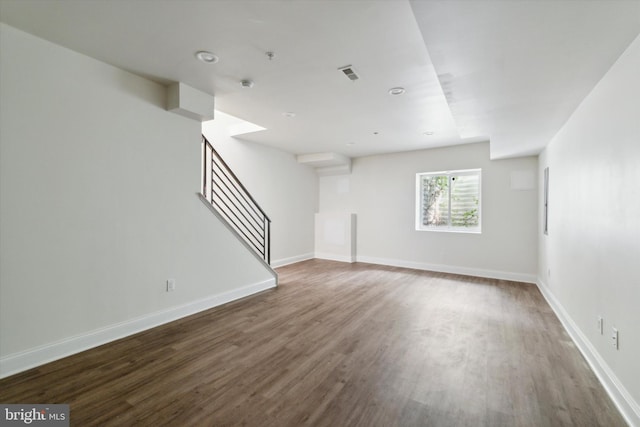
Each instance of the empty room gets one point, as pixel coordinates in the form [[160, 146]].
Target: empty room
[[320, 212]]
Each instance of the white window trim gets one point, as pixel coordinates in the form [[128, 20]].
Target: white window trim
[[448, 229]]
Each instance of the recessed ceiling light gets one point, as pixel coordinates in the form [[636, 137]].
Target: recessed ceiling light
[[207, 57], [349, 144], [396, 91], [428, 133], [289, 114]]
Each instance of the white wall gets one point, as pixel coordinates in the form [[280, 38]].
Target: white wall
[[593, 248], [98, 207], [285, 189], [381, 191]]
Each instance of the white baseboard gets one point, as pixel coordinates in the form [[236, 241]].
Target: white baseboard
[[291, 260], [627, 406], [335, 257], [490, 274], [18, 362]]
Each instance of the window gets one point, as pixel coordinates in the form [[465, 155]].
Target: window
[[448, 201]]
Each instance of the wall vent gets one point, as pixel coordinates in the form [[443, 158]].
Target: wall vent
[[349, 72]]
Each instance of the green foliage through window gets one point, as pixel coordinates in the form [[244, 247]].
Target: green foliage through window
[[449, 200]]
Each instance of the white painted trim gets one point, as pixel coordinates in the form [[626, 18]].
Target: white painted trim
[[291, 260], [625, 403], [18, 362], [454, 269], [335, 257]]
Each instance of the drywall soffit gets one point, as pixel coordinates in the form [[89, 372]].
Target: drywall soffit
[[327, 163]]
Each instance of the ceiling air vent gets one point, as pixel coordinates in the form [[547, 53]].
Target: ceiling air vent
[[349, 72]]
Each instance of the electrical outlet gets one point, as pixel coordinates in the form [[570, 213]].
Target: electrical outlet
[[600, 325], [171, 285], [614, 337]]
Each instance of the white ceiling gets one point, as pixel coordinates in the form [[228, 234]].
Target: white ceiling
[[516, 70], [510, 72]]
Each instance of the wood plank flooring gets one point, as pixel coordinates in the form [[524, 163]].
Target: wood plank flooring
[[339, 345]]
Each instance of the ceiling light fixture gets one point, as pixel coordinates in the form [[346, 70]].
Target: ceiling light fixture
[[396, 91], [246, 83], [428, 133], [289, 114], [207, 57]]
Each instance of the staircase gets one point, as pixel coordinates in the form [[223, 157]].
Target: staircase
[[234, 205]]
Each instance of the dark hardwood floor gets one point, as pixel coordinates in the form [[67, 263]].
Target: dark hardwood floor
[[339, 345]]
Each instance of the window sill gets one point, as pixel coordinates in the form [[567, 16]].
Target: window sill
[[450, 230]]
